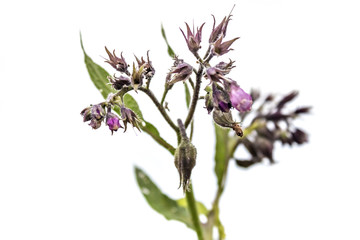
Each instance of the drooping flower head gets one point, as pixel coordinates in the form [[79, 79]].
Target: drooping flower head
[[112, 120], [215, 74], [86, 113], [193, 41], [118, 63], [240, 100], [97, 112]]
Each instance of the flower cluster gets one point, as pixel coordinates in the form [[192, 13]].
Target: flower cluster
[[275, 124], [102, 112]]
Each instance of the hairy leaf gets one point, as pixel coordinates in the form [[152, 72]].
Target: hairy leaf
[[187, 95], [97, 74], [161, 203], [170, 51], [221, 151]]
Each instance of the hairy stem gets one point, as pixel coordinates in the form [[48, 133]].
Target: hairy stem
[[160, 108], [194, 213], [195, 96]]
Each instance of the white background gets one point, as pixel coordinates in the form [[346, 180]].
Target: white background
[[59, 179]]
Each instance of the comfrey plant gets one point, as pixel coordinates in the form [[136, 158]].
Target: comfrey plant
[[268, 119]]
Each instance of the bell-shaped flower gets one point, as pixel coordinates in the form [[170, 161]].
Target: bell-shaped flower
[[193, 41], [116, 62], [112, 120], [97, 112], [240, 100], [215, 74]]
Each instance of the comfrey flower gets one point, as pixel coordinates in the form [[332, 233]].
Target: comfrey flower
[[225, 119], [118, 82], [240, 100], [117, 63], [86, 113], [220, 98], [219, 48], [112, 120], [192, 41], [181, 73], [128, 116], [97, 112], [149, 70]]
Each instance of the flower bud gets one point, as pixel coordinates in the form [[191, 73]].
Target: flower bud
[[185, 158], [209, 104], [299, 136], [112, 120], [225, 67]]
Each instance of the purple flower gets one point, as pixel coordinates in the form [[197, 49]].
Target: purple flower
[[112, 120], [192, 41], [86, 113], [215, 74], [221, 98], [181, 73], [220, 48], [95, 124], [97, 112], [225, 67], [116, 62], [128, 116], [240, 100]]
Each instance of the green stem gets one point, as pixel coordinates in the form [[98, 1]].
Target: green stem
[[194, 213], [164, 95], [195, 96]]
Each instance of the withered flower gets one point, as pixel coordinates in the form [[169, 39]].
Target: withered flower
[[220, 48], [149, 70], [181, 72], [118, 82], [137, 77], [192, 41], [128, 116], [118, 63]]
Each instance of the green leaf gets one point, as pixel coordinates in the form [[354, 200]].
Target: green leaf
[[187, 95], [161, 203], [170, 51], [97, 74], [221, 151], [201, 209], [131, 103], [154, 133]]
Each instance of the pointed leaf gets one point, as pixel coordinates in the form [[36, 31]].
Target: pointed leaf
[[154, 133], [161, 203], [131, 103], [221, 151], [97, 74], [187, 95], [170, 51]]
